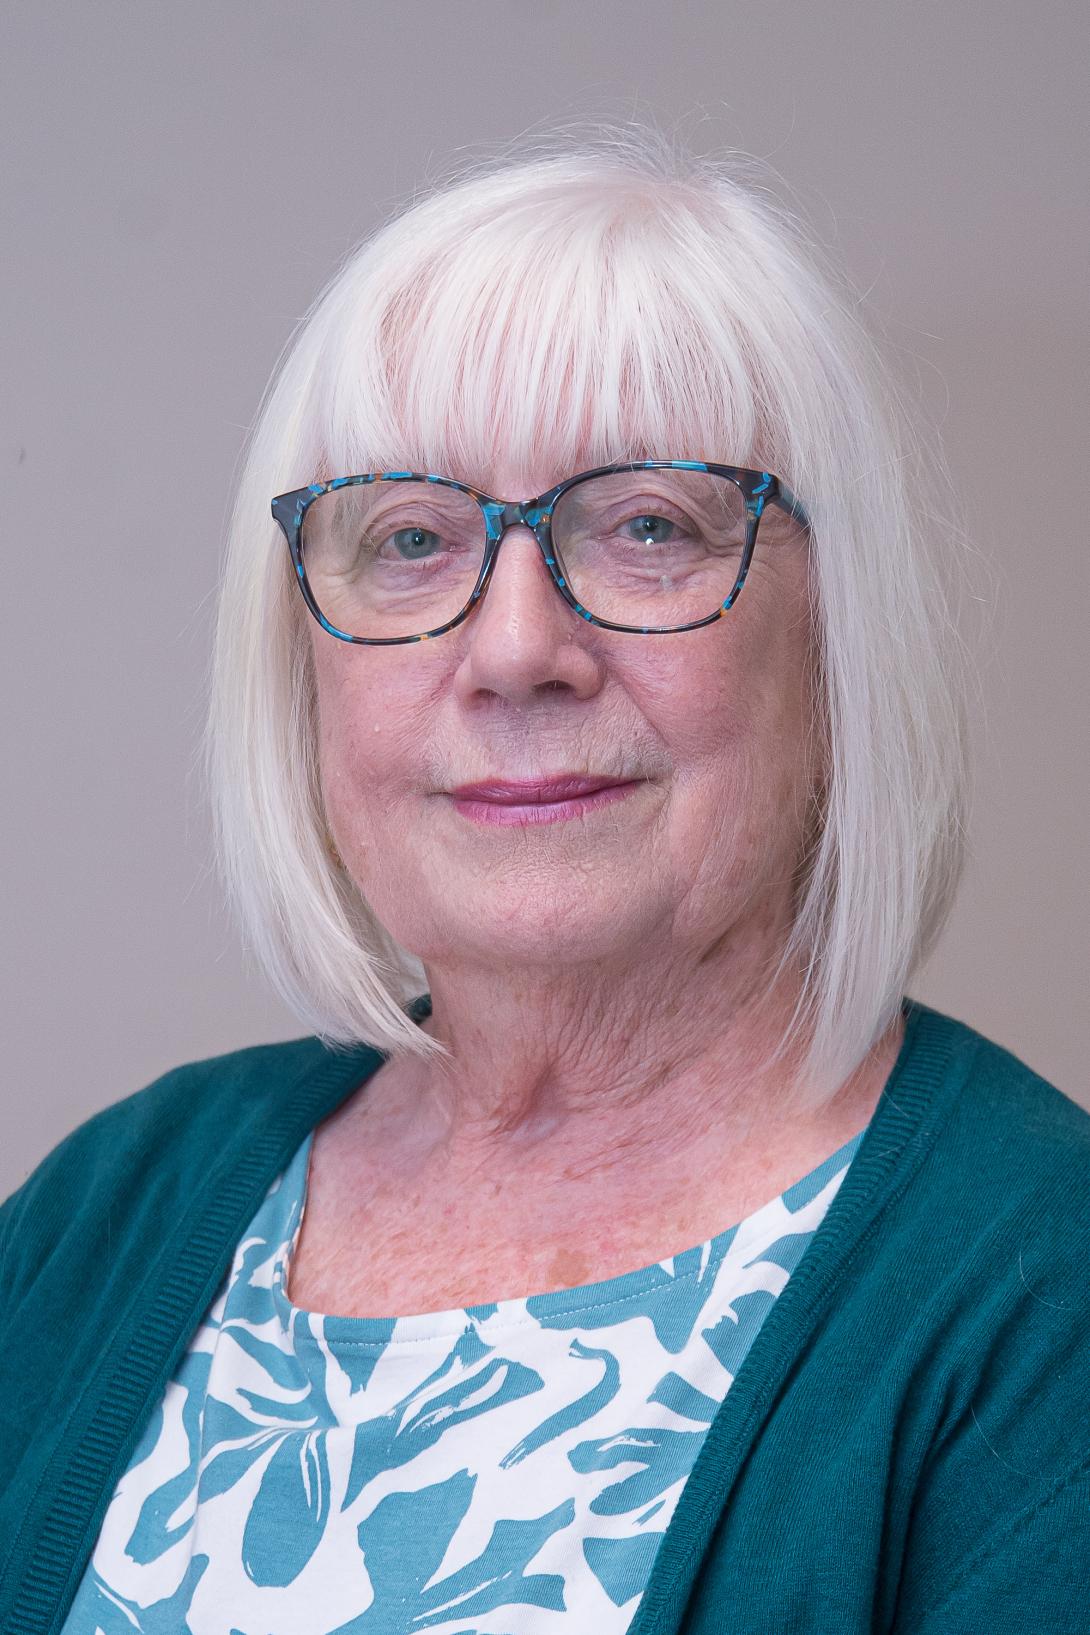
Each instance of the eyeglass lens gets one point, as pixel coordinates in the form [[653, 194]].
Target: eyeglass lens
[[400, 558]]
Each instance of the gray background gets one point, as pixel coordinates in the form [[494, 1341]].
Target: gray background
[[176, 184]]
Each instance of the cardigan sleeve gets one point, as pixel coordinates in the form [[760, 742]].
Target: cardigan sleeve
[[1031, 1573], [999, 1531], [7, 1210], [24, 1219]]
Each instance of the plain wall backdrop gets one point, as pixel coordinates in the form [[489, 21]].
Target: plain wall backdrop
[[178, 182]]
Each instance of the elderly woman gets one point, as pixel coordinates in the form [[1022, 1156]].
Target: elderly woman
[[621, 1248]]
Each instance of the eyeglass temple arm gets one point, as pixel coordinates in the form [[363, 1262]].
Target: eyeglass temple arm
[[790, 504]]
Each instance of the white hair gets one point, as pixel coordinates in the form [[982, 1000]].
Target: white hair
[[584, 302]]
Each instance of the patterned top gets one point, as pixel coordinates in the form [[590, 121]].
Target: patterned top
[[492, 1470]]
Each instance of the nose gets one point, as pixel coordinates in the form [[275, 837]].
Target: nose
[[522, 635]]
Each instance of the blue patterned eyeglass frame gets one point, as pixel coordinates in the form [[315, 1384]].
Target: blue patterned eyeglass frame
[[758, 488]]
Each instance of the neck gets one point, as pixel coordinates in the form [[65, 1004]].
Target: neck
[[597, 1067]]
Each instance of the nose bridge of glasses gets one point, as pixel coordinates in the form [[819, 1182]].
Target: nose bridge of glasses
[[503, 514]]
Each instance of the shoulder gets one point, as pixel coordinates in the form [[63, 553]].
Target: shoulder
[[1022, 1130], [158, 1137], [1004, 1188], [192, 1097], [981, 1249], [985, 1276], [988, 1243]]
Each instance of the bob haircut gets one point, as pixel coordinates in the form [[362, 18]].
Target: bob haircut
[[569, 305]]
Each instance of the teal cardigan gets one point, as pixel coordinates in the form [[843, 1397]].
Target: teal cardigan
[[905, 1449]]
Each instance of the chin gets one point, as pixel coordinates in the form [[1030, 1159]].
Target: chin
[[531, 927]]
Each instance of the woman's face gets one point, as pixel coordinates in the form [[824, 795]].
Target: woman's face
[[713, 723]]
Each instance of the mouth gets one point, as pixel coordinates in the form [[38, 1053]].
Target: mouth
[[542, 800]]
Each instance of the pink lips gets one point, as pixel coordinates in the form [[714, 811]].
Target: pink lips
[[551, 800], [525, 794]]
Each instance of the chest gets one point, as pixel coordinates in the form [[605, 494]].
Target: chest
[[519, 1467], [372, 1244], [420, 1255]]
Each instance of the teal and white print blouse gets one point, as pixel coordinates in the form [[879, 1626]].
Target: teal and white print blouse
[[502, 1469]]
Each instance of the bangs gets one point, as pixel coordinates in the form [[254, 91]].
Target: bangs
[[543, 340]]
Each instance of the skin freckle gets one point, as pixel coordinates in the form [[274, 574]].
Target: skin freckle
[[568, 1269]]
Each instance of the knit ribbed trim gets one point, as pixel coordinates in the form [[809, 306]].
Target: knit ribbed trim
[[917, 1098], [92, 1457]]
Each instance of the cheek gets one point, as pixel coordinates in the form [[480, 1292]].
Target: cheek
[[739, 735], [370, 732], [369, 767], [741, 697]]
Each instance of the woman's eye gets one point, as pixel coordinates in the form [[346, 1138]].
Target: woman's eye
[[651, 528], [411, 543]]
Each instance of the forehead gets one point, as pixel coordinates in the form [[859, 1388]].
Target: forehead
[[520, 477], [523, 479]]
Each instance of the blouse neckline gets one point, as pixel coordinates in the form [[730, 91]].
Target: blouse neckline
[[751, 1234]]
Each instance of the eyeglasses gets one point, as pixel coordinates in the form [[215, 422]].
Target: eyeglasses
[[648, 546]]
